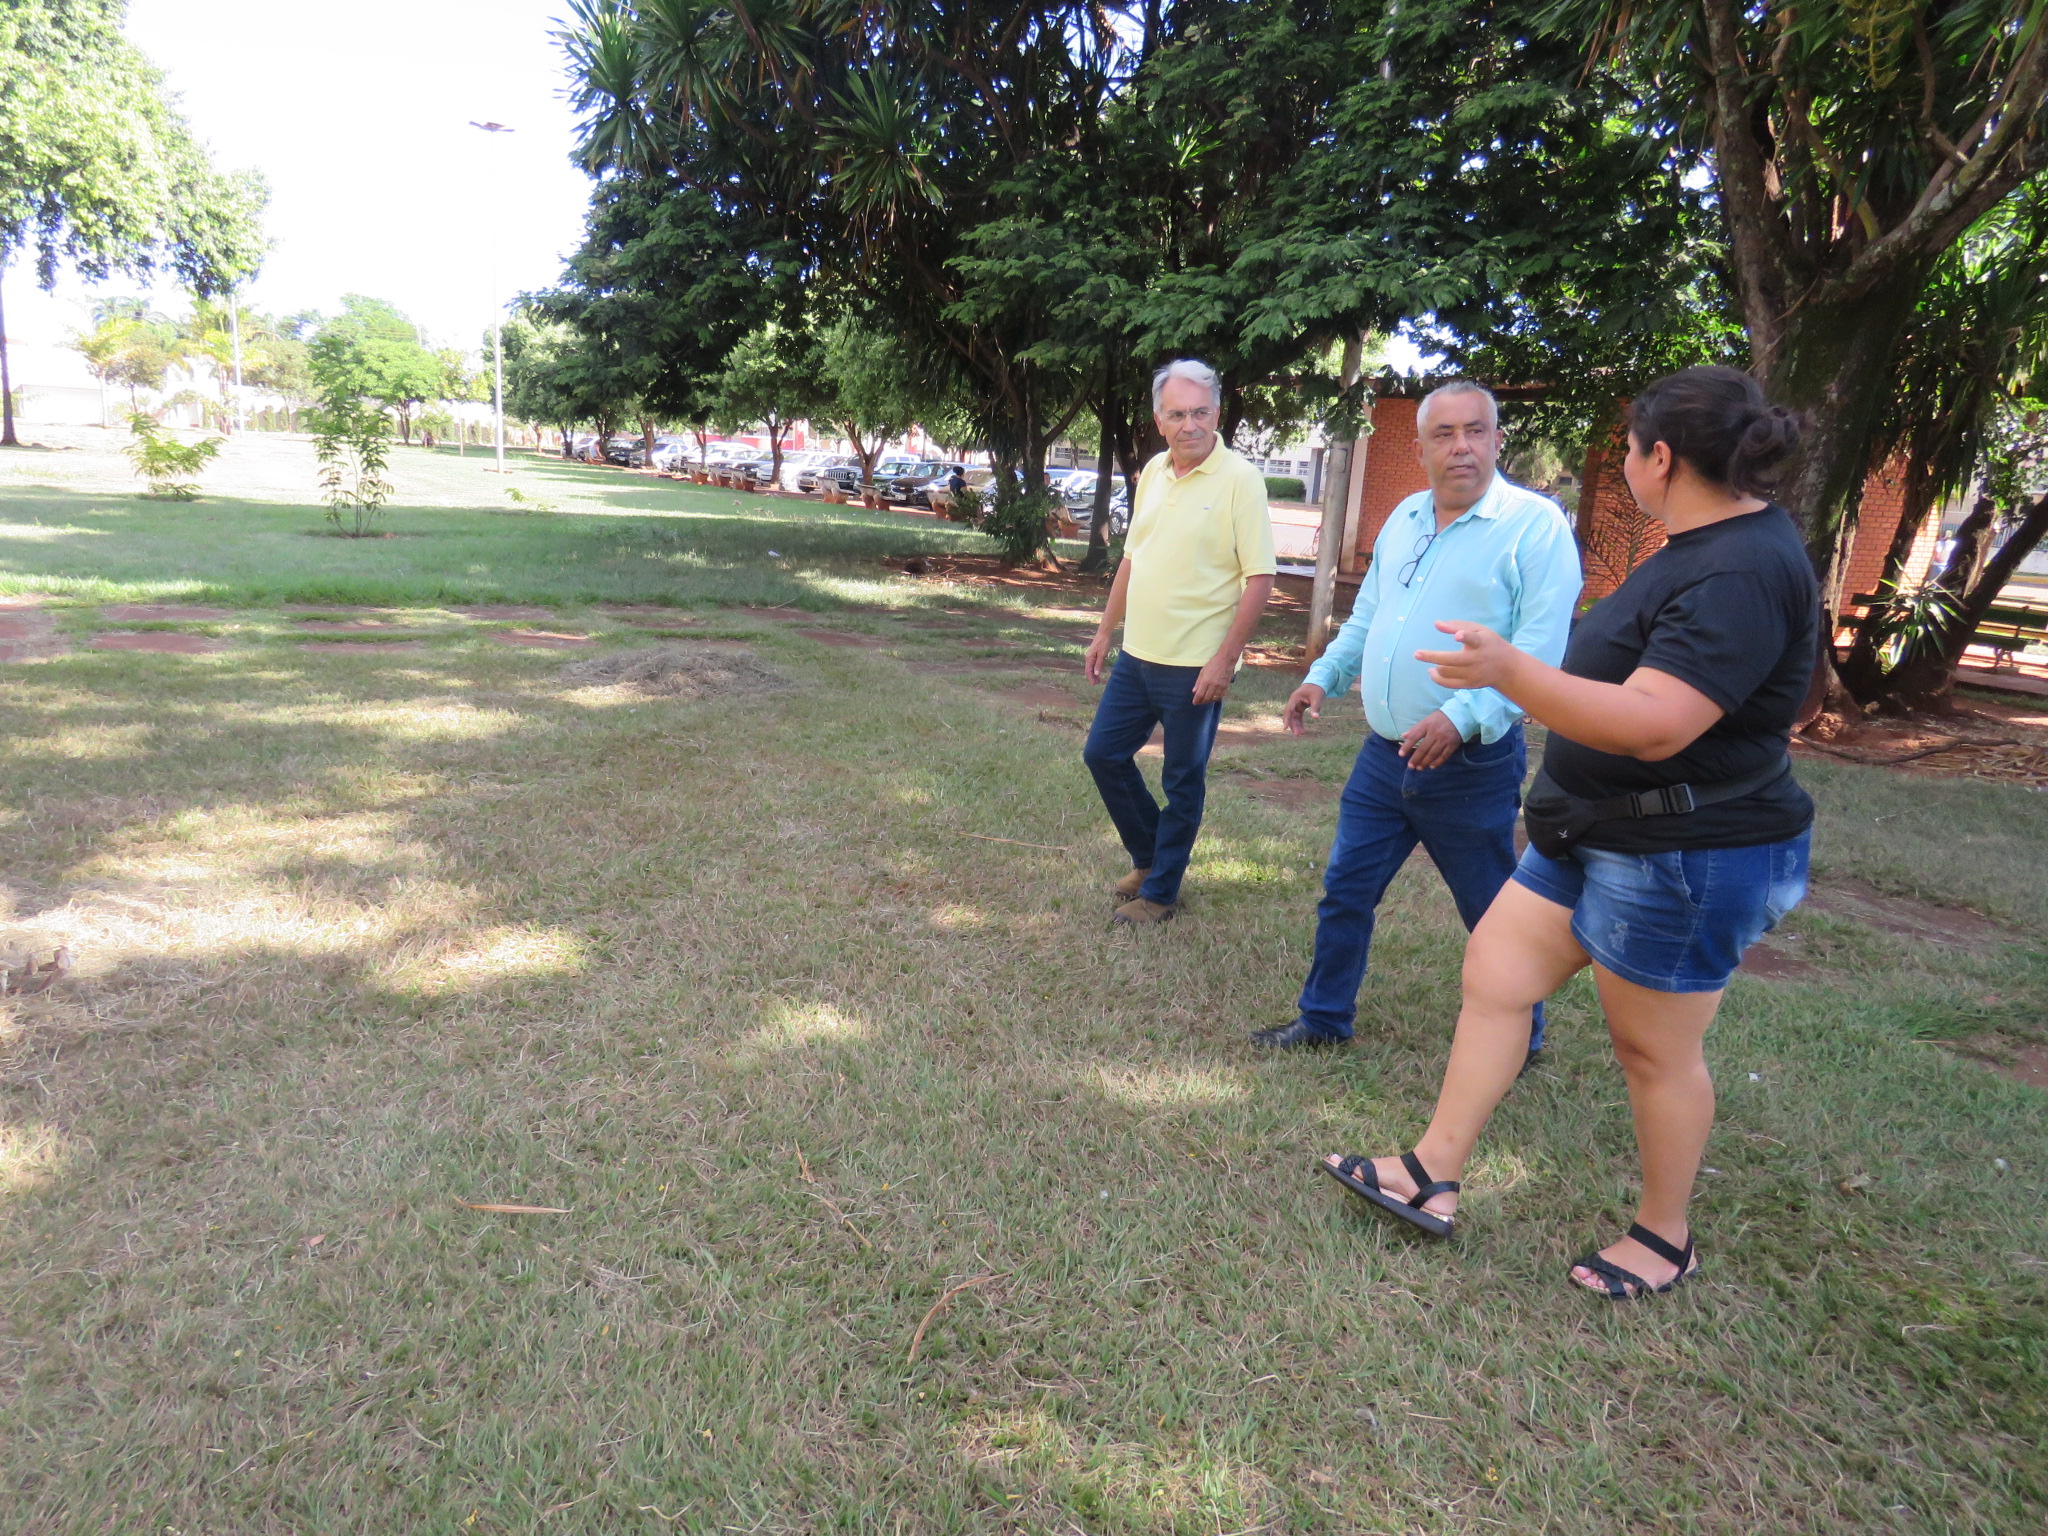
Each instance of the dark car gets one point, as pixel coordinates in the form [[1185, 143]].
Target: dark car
[[915, 486], [817, 477], [1079, 496], [627, 452]]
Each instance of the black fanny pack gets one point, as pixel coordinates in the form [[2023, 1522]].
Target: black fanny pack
[[1556, 820]]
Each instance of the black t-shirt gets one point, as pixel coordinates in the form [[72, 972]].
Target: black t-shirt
[[1733, 610]]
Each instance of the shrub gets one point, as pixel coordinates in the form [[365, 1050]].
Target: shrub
[[1021, 525], [1285, 488], [352, 441], [166, 463], [966, 507]]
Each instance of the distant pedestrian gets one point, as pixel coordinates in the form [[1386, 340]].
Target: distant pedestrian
[[1666, 830], [1197, 570], [1440, 766]]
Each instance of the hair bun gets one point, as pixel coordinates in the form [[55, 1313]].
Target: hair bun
[[1770, 438]]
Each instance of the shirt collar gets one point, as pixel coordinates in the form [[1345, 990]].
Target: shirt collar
[[1203, 468], [1491, 503]]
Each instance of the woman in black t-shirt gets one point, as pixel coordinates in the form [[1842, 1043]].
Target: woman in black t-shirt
[[1666, 830]]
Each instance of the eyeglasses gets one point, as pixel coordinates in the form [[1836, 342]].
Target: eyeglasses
[[1408, 572], [1200, 416]]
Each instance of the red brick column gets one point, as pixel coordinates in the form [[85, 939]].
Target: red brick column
[[1386, 472]]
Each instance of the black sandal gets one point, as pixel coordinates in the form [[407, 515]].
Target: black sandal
[[1619, 1280], [1358, 1175]]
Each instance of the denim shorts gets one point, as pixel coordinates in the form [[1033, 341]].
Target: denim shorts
[[1672, 922]]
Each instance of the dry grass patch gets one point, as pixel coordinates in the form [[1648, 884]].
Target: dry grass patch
[[703, 669]]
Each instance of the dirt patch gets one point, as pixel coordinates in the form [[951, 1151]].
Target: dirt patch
[[651, 616], [2006, 742], [840, 637], [1038, 696], [1775, 961], [1000, 664], [1231, 733], [2022, 1061], [360, 647], [329, 608], [1908, 917], [541, 639], [159, 613], [525, 611], [342, 626], [679, 671], [166, 642], [27, 633], [1291, 794]]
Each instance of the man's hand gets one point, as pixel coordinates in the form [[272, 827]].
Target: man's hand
[[1430, 741], [1214, 680], [1305, 700], [1484, 661], [1097, 656]]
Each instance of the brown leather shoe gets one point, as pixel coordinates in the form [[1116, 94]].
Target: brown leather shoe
[[1127, 888], [1143, 914]]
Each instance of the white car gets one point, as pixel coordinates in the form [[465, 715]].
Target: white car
[[795, 465]]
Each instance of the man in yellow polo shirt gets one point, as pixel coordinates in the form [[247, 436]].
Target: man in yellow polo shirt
[[1197, 568]]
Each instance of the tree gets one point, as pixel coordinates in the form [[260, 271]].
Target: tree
[[126, 346], [666, 283], [351, 427], [1966, 417], [870, 388], [385, 359], [773, 376], [97, 172], [1853, 145], [165, 462], [541, 377]]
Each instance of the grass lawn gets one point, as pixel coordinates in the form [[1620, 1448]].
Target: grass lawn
[[825, 1074]]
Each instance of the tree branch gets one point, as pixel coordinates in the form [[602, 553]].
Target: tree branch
[[1739, 165]]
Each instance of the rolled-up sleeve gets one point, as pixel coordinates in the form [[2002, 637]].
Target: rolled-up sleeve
[[1337, 668], [1548, 581]]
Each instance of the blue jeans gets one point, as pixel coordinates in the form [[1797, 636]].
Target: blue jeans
[[1462, 811], [1138, 696]]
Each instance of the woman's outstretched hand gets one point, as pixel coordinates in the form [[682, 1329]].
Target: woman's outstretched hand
[[1483, 660]]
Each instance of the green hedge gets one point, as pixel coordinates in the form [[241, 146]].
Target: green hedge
[[1285, 488]]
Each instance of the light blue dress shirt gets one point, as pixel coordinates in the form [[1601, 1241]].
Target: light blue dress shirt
[[1509, 562]]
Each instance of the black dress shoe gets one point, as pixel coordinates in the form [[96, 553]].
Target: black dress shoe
[[1293, 1037]]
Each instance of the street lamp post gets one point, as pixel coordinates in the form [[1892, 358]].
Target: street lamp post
[[497, 313]]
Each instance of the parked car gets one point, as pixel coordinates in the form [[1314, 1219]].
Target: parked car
[[1079, 495], [846, 473], [672, 454], [795, 465], [916, 486], [626, 452], [833, 469]]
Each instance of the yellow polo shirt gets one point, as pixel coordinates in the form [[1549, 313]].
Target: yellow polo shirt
[[1195, 540]]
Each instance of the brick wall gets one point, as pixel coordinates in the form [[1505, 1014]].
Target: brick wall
[[1615, 538], [1384, 472]]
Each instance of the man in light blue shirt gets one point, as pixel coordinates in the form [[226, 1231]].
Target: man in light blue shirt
[[1440, 766]]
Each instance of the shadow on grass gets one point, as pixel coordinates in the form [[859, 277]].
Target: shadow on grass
[[744, 988]]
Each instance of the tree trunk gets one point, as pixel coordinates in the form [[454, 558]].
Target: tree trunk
[[1862, 672], [647, 438], [7, 437], [774, 425], [1336, 498], [1834, 365], [1097, 558], [1925, 677]]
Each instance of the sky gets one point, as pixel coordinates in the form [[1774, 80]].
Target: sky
[[358, 116]]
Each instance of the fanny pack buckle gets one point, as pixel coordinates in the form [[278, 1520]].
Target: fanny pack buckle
[[1673, 800]]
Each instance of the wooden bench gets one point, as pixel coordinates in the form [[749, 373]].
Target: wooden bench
[[2005, 630]]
